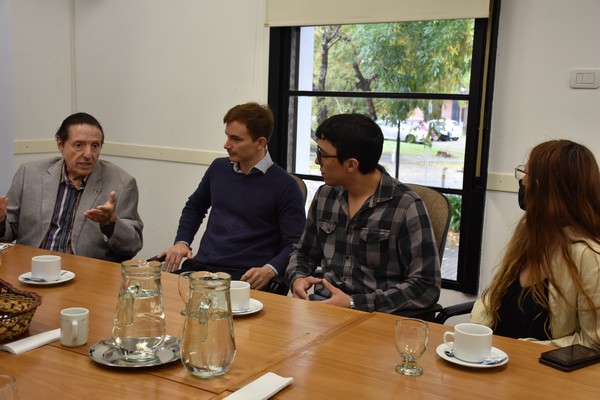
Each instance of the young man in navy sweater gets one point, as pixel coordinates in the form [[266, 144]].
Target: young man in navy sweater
[[257, 208]]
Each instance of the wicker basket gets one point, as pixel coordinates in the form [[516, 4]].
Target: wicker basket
[[16, 310]]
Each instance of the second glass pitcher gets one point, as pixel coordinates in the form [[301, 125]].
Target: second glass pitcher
[[139, 325], [208, 344]]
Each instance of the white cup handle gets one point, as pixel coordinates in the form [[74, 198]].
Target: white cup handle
[[75, 330], [446, 340]]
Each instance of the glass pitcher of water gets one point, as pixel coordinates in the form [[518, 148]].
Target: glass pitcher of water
[[139, 325], [208, 344]]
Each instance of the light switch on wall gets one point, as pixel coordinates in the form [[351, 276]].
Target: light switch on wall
[[585, 78]]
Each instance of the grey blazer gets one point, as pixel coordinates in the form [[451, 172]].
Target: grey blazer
[[32, 197]]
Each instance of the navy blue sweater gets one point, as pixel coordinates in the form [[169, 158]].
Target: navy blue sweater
[[254, 219]]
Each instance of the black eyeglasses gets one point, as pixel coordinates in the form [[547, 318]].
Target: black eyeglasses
[[320, 156], [520, 172]]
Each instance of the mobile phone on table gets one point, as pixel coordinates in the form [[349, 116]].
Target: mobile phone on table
[[570, 358]]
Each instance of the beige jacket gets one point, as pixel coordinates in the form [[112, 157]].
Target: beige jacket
[[568, 325]]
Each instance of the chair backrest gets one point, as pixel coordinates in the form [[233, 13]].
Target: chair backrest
[[301, 184], [439, 211]]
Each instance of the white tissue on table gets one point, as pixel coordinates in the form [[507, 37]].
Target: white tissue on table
[[261, 388], [31, 342]]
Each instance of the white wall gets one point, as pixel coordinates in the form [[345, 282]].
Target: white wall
[[165, 72], [156, 74], [162, 74], [6, 95], [539, 42]]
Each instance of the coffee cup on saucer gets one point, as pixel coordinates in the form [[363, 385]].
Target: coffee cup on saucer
[[470, 342], [46, 267], [240, 296]]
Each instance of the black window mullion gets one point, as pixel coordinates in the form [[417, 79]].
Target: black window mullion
[[283, 95], [379, 95]]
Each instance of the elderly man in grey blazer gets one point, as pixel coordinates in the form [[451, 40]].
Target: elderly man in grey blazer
[[76, 203]]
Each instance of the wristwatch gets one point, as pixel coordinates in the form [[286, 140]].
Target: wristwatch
[[352, 306]]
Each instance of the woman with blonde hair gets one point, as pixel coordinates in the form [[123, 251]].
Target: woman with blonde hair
[[547, 287]]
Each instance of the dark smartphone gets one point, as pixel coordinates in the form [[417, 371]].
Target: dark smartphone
[[570, 358], [316, 297]]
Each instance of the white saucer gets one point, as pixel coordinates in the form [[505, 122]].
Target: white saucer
[[441, 351], [255, 306], [65, 276]]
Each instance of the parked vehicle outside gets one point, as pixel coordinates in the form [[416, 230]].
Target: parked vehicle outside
[[456, 129], [408, 133], [447, 129]]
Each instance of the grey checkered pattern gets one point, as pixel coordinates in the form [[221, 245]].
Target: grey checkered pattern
[[386, 256]]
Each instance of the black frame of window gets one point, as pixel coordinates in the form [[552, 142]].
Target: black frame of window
[[284, 49]]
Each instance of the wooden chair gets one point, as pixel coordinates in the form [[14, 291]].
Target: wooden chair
[[277, 285], [440, 212], [301, 184]]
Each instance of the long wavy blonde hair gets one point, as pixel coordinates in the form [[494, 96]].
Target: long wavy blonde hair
[[562, 191]]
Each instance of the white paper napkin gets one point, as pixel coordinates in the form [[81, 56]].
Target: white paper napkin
[[261, 388], [32, 342]]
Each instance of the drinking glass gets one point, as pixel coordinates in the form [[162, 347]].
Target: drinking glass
[[8, 388], [184, 288], [411, 336]]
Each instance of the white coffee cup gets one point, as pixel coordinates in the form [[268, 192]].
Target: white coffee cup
[[240, 295], [470, 342], [47, 267], [74, 323]]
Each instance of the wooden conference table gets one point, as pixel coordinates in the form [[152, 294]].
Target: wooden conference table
[[331, 352]]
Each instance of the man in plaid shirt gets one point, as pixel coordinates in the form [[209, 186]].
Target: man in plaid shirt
[[370, 234]]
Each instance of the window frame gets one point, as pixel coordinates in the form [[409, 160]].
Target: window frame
[[284, 48]]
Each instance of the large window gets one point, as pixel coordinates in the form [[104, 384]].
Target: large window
[[422, 82]]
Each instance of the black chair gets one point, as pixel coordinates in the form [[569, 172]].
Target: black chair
[[277, 285], [437, 313], [453, 311]]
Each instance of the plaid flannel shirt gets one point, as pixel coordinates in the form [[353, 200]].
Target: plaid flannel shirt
[[385, 257]]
